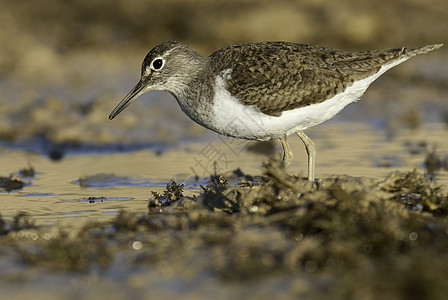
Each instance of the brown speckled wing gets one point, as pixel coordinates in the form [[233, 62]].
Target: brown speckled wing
[[277, 76]]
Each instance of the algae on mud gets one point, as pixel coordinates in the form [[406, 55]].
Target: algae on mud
[[344, 236], [14, 181]]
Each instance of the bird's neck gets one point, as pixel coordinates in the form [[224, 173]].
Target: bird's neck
[[195, 94]]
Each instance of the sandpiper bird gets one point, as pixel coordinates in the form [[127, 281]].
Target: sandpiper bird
[[264, 91]]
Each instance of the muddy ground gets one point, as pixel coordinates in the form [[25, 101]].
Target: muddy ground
[[244, 236]]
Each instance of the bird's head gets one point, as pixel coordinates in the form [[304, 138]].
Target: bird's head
[[167, 67]]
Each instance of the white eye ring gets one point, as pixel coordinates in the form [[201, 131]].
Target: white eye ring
[[157, 64]]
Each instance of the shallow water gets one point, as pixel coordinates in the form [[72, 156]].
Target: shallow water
[[59, 192]]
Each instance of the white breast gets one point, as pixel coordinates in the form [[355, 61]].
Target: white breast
[[234, 119]]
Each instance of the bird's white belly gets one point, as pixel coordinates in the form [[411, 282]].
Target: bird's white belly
[[237, 120], [234, 119]]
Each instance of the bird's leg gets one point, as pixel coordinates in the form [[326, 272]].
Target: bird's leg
[[287, 153], [311, 151]]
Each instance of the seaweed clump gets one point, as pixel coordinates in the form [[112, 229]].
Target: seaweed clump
[[27, 172], [93, 199], [15, 182], [11, 183], [172, 193], [357, 237], [416, 192]]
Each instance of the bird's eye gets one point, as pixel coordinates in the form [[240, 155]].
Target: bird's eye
[[157, 64]]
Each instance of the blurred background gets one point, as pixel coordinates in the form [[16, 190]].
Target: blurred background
[[64, 65]]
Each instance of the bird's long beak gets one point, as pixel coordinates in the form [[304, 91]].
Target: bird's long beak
[[136, 92]]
